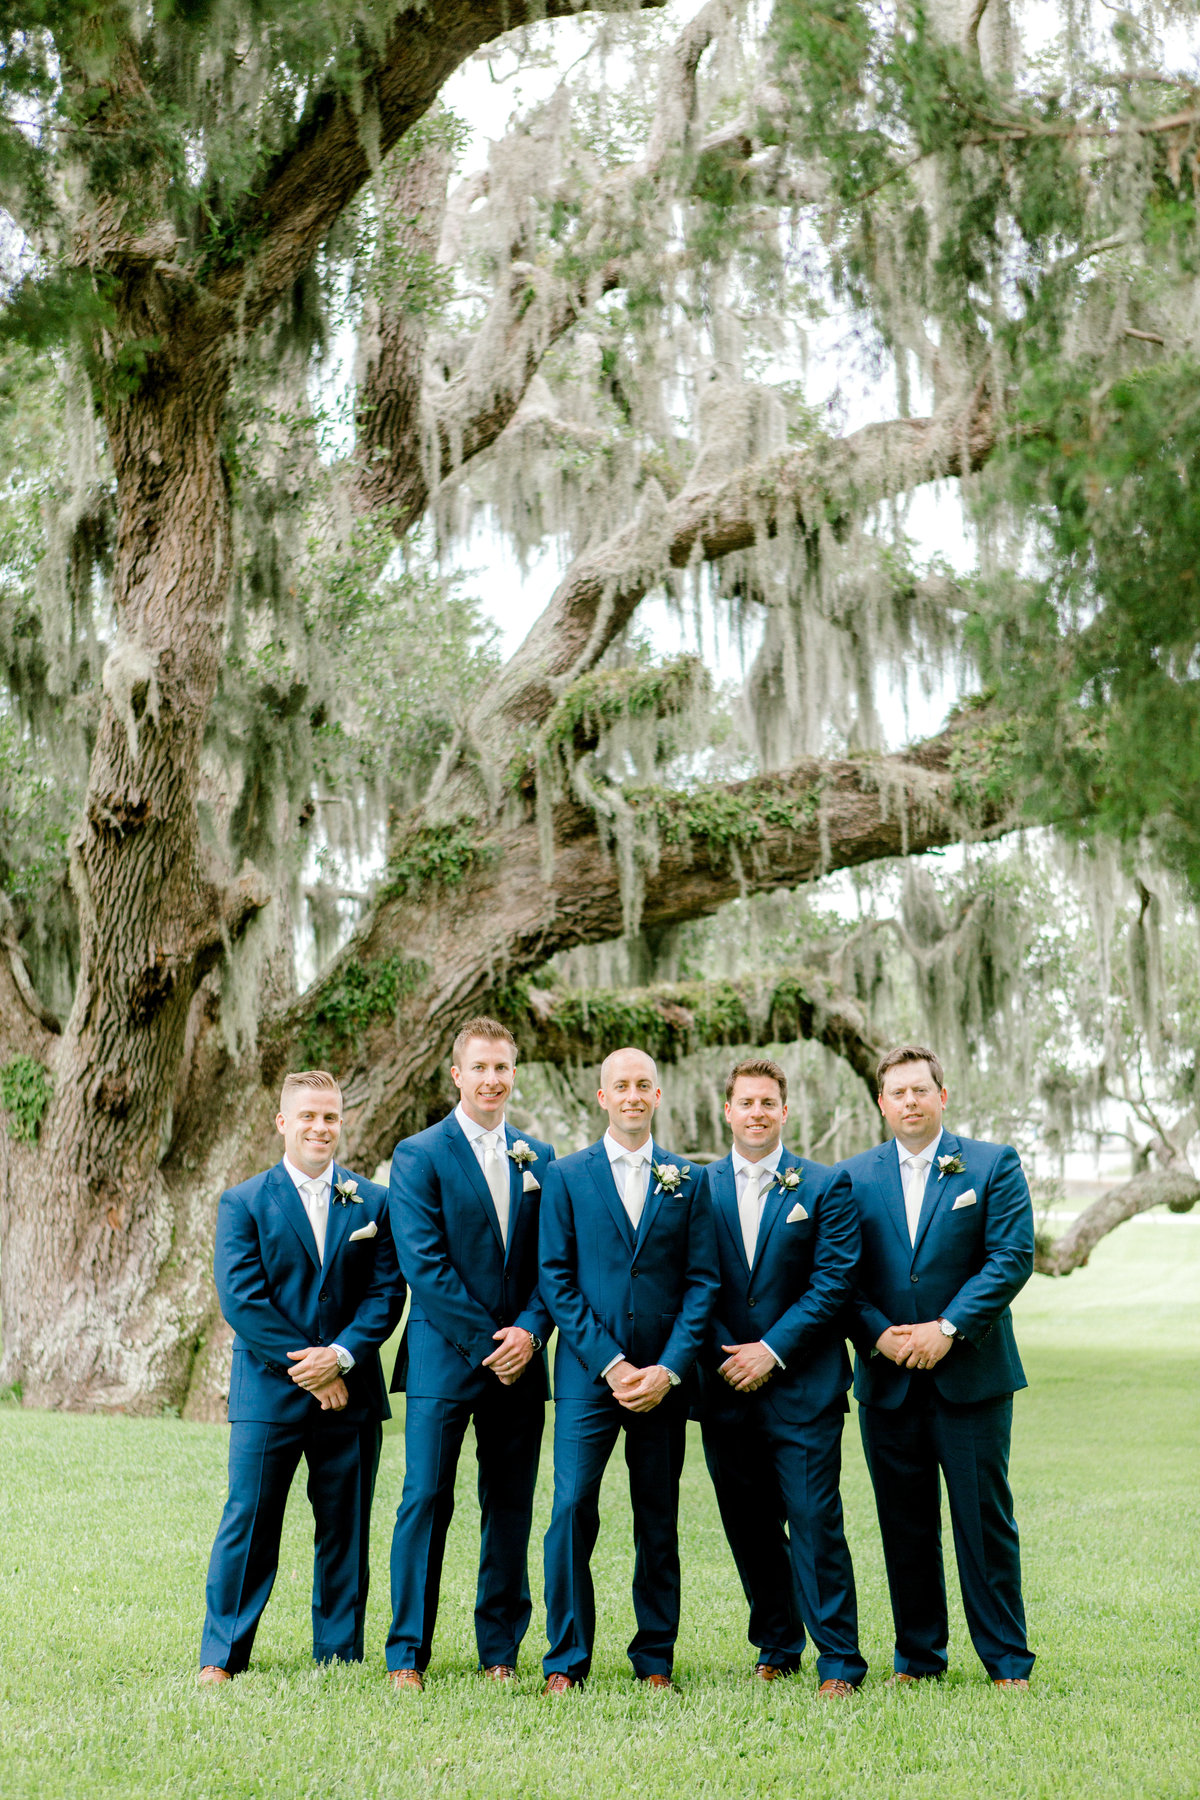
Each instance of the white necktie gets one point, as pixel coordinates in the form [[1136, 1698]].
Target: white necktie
[[495, 1173], [634, 1197], [915, 1174], [749, 1209], [318, 1213]]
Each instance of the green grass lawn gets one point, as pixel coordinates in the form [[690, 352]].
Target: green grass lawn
[[105, 1528]]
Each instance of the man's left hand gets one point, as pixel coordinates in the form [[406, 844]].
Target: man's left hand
[[643, 1393], [748, 1366], [314, 1368], [510, 1360], [927, 1344]]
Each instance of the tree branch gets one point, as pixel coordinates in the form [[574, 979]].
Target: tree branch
[[1176, 1187]]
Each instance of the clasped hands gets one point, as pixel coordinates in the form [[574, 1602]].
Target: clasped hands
[[510, 1359], [747, 1366], [316, 1370], [638, 1390], [914, 1346]]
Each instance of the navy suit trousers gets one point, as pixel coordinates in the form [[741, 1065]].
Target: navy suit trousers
[[263, 1457], [508, 1435], [769, 1472], [585, 1435], [905, 1447]]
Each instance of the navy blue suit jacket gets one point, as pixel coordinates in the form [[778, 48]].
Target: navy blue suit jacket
[[278, 1296], [647, 1297], [794, 1295], [969, 1263], [464, 1284]]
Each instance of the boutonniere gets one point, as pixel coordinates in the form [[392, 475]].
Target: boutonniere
[[521, 1153], [951, 1165], [345, 1191], [670, 1177], [789, 1179]]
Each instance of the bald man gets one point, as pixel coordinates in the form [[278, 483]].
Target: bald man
[[628, 1271]]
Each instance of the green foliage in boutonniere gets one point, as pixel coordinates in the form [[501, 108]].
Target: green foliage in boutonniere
[[789, 1179], [669, 1176], [345, 1191], [521, 1153], [951, 1165]]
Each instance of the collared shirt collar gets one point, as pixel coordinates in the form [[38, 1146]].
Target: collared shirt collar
[[643, 1153], [300, 1178], [924, 1156], [743, 1166], [476, 1131]]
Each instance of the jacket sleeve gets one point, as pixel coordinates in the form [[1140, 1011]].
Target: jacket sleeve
[[535, 1316], [717, 1333], [419, 1230], [1007, 1251], [378, 1312], [703, 1285], [835, 1265], [558, 1280], [242, 1288]]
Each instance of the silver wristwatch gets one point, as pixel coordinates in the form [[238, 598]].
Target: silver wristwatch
[[947, 1329]]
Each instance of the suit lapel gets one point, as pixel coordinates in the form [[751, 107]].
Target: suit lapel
[[516, 1190], [723, 1183], [887, 1171], [286, 1196], [468, 1162], [602, 1179], [773, 1207], [337, 1223], [937, 1188], [653, 1200]]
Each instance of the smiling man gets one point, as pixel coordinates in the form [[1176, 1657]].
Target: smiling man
[[464, 1206], [947, 1245], [773, 1383], [629, 1275], [306, 1275]]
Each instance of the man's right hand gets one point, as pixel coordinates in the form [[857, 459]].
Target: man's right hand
[[620, 1375], [893, 1343]]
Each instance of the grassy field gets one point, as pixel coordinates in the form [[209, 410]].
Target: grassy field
[[105, 1528]]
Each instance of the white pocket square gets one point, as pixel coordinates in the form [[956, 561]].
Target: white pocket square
[[364, 1231], [530, 1183], [797, 1213], [967, 1199]]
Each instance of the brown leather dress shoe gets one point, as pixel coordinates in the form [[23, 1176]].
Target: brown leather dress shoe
[[902, 1679], [210, 1675], [499, 1672], [771, 1672], [837, 1689], [1017, 1681], [406, 1678], [659, 1681], [559, 1683]]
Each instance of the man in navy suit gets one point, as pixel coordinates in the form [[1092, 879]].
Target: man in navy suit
[[464, 1206], [947, 1244], [629, 1274], [307, 1276], [773, 1383]]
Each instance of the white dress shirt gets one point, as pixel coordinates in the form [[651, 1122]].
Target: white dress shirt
[[914, 1177], [632, 1173], [316, 1204], [491, 1153], [743, 1171]]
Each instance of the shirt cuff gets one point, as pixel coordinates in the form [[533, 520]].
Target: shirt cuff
[[609, 1367], [345, 1360], [671, 1373], [774, 1353]]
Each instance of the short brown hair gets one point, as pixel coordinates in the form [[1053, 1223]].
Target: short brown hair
[[491, 1030], [758, 1065], [909, 1053], [307, 1078]]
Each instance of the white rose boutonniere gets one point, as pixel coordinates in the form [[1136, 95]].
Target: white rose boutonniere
[[951, 1165], [670, 1177], [345, 1191], [521, 1153], [789, 1179]]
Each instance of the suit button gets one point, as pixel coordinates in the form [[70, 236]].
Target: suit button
[[914, 1279], [634, 1273], [324, 1294], [752, 1303], [629, 1315]]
